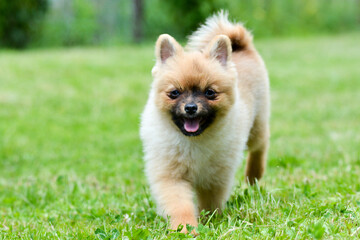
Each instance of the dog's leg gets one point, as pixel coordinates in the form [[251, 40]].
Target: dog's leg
[[211, 199], [175, 199], [258, 144]]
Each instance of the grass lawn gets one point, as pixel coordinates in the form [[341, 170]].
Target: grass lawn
[[71, 160]]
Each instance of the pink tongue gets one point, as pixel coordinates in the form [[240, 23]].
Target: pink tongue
[[191, 125]]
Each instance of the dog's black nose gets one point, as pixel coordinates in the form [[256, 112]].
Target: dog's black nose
[[191, 108]]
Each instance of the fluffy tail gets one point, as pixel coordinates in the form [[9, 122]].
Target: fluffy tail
[[241, 39]]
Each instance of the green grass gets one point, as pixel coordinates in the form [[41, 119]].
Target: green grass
[[71, 159]]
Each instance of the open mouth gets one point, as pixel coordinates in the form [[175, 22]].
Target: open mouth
[[192, 125]]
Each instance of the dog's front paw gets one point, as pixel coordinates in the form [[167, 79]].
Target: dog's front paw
[[177, 222]]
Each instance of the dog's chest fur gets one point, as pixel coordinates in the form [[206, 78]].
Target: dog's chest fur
[[205, 163]]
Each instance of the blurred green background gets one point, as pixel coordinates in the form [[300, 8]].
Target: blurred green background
[[45, 23], [70, 155]]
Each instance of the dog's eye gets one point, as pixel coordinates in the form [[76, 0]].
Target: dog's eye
[[174, 94], [210, 94]]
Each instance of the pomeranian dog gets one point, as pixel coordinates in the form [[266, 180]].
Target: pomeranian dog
[[207, 104]]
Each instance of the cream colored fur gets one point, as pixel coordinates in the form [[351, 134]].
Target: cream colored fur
[[179, 167]]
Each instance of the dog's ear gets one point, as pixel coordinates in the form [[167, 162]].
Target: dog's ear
[[220, 49], [166, 47]]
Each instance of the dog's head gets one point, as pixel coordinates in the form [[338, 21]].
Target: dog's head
[[194, 89]]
